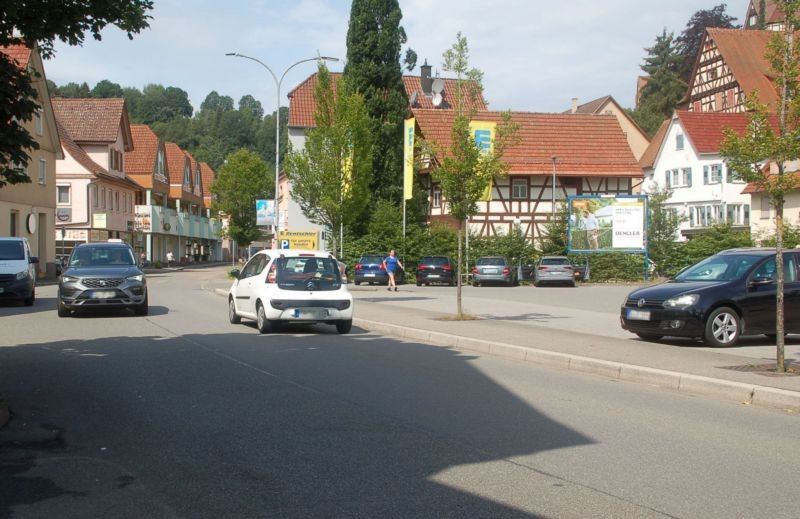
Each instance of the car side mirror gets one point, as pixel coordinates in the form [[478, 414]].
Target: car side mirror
[[34, 259], [235, 273]]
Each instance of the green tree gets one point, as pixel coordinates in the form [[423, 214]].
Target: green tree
[[374, 40], [241, 181], [44, 21], [688, 43], [331, 176], [665, 88], [464, 171], [75, 91], [106, 89], [763, 147], [662, 232]]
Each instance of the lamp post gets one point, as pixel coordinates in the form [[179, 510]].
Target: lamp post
[[278, 83], [554, 158]]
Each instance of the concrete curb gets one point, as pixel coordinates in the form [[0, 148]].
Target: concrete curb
[[748, 394]]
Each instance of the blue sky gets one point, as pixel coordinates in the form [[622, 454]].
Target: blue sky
[[536, 55]]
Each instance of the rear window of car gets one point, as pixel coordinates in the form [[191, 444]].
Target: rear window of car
[[371, 259], [436, 261], [101, 257], [491, 261], [11, 250], [307, 273], [555, 261]]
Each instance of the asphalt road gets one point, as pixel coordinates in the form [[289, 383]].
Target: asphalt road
[[181, 414]]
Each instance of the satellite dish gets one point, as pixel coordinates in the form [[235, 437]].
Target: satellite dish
[[436, 100], [438, 85]]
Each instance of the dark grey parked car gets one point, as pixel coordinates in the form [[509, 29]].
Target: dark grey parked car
[[493, 269], [102, 275]]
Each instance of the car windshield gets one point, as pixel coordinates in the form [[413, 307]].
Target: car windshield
[[371, 259], [491, 261], [555, 261], [435, 262], [11, 250], [102, 257], [308, 273], [722, 267]]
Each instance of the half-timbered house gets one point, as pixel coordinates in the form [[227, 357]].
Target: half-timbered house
[[557, 155], [772, 19]]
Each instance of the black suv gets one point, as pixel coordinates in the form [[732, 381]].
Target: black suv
[[102, 275], [436, 269], [370, 269]]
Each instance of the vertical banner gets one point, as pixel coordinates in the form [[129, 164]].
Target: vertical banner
[[483, 134], [408, 158], [347, 170]]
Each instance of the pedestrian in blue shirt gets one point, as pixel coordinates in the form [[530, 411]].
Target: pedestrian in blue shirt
[[391, 264]]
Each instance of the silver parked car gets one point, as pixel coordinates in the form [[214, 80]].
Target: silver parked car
[[493, 269], [554, 269], [102, 275]]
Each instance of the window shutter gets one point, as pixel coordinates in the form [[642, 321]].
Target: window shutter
[[705, 174], [691, 217], [667, 184], [689, 177], [746, 214]]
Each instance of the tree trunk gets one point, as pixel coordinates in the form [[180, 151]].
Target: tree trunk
[[779, 324], [458, 270]]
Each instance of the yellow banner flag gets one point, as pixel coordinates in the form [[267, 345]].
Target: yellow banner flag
[[408, 158], [483, 134], [347, 170]]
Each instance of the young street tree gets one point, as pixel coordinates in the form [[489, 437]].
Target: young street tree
[[464, 170], [761, 155], [242, 180], [331, 176], [42, 22], [374, 40]]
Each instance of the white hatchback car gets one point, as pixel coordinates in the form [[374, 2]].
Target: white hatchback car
[[290, 286]]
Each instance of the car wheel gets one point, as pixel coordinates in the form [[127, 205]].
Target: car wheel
[[537, 284], [263, 324], [476, 283], [233, 317], [358, 283], [573, 284], [63, 311], [142, 309], [344, 325], [649, 336], [722, 328], [30, 300]]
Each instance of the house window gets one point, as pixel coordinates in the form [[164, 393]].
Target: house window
[[712, 174], [737, 214], [12, 231], [116, 200], [765, 207], [42, 171], [103, 198], [63, 194], [718, 101], [679, 177], [187, 176], [93, 192], [712, 73], [730, 95], [160, 165], [679, 142], [696, 106], [519, 188], [437, 197], [39, 122]]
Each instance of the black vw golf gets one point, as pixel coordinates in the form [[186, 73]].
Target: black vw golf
[[718, 299]]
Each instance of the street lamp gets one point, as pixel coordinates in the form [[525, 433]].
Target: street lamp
[[278, 83], [554, 158]]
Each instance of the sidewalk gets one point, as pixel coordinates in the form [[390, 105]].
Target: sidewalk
[[720, 374]]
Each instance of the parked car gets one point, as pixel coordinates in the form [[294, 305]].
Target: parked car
[[102, 275], [493, 269], [17, 270], [290, 286], [370, 269], [718, 299], [554, 269], [435, 269]]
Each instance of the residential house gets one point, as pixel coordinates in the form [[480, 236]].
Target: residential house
[[684, 157], [95, 198], [146, 165], [557, 155], [763, 212], [29, 209], [637, 138], [773, 19]]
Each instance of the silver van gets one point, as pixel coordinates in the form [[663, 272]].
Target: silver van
[[17, 270]]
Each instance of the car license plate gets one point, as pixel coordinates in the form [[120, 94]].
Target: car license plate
[[369, 275], [433, 276], [638, 315], [490, 271], [103, 294], [310, 314]]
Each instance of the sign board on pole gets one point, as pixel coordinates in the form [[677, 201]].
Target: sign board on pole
[[265, 212], [607, 224], [298, 240]]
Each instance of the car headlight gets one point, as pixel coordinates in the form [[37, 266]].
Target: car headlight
[[137, 277], [22, 275], [682, 302], [69, 279]]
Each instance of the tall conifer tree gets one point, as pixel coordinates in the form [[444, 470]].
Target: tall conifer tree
[[374, 39]]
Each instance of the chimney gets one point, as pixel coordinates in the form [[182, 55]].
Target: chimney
[[425, 79], [574, 105]]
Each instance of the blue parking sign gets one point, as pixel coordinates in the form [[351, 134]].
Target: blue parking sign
[[284, 244]]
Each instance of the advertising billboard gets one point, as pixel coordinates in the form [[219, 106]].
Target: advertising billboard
[[265, 212], [298, 240], [607, 224]]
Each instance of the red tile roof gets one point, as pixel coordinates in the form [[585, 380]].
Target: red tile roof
[[743, 52], [94, 120], [141, 160], [705, 129], [584, 145], [301, 99], [194, 167], [176, 162], [592, 107], [18, 53], [772, 13], [209, 175]]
